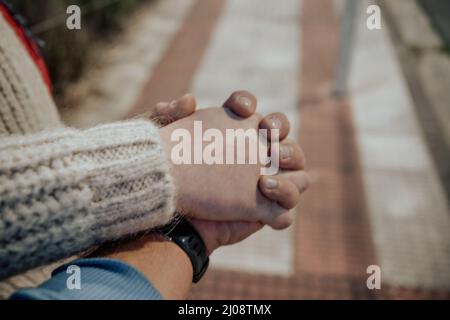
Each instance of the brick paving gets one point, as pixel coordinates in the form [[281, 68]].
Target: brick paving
[[405, 190], [375, 197], [173, 75], [334, 236], [232, 285], [241, 54]]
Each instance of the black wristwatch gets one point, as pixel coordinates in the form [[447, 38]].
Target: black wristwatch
[[187, 238]]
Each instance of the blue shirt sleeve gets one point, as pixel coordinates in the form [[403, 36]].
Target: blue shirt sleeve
[[92, 279]]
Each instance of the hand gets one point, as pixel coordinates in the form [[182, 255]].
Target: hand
[[165, 113], [242, 103], [148, 254], [216, 234], [229, 192]]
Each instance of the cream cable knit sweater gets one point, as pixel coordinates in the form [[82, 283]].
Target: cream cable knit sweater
[[63, 190]]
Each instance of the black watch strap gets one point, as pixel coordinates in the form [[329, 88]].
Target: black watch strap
[[184, 235]]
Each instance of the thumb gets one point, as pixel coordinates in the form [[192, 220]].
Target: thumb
[[167, 112]]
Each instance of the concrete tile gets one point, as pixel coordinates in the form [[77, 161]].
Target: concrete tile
[[410, 224], [127, 65], [267, 65], [382, 108], [414, 27], [392, 152], [408, 210], [434, 72], [268, 251]]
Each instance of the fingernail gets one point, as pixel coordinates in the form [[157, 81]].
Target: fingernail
[[271, 183], [285, 152], [275, 122], [245, 101]]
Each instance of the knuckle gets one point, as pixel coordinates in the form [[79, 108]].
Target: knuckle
[[256, 117], [284, 221], [306, 182]]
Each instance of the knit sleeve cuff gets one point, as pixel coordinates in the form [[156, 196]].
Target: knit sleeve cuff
[[128, 174], [65, 190]]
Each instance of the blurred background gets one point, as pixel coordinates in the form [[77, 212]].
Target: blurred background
[[370, 106]]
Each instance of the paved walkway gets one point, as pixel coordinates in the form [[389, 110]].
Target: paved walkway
[[408, 208], [376, 197]]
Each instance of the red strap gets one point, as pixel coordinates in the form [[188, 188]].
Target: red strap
[[29, 45]]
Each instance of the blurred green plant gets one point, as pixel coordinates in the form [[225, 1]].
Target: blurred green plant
[[66, 51]]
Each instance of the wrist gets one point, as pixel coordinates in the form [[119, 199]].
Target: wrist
[[204, 230], [176, 171], [183, 233], [161, 261]]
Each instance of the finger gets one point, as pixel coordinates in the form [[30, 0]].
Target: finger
[[242, 103], [274, 121], [292, 156], [280, 190], [168, 112], [283, 220], [299, 178]]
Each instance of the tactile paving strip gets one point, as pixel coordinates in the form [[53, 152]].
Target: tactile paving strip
[[228, 285]]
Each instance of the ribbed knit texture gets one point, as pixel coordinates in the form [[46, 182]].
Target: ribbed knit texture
[[63, 190], [26, 105]]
